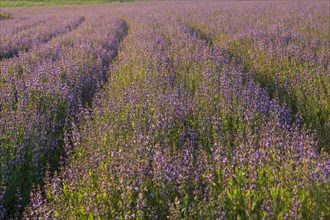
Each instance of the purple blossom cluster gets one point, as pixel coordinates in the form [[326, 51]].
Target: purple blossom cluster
[[188, 117]]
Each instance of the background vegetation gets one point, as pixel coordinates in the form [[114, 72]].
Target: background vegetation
[[28, 3]]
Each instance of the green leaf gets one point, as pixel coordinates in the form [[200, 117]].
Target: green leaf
[[56, 213], [228, 194]]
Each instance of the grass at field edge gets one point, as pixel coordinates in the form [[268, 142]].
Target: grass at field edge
[[32, 3]]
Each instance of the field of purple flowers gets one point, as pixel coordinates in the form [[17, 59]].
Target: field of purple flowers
[[166, 110]]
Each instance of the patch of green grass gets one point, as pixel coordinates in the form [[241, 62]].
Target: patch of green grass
[[4, 15], [29, 3]]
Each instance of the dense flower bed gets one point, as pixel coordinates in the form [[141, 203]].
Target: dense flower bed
[[166, 110]]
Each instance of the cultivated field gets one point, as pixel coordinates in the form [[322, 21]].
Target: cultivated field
[[29, 3], [166, 110]]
